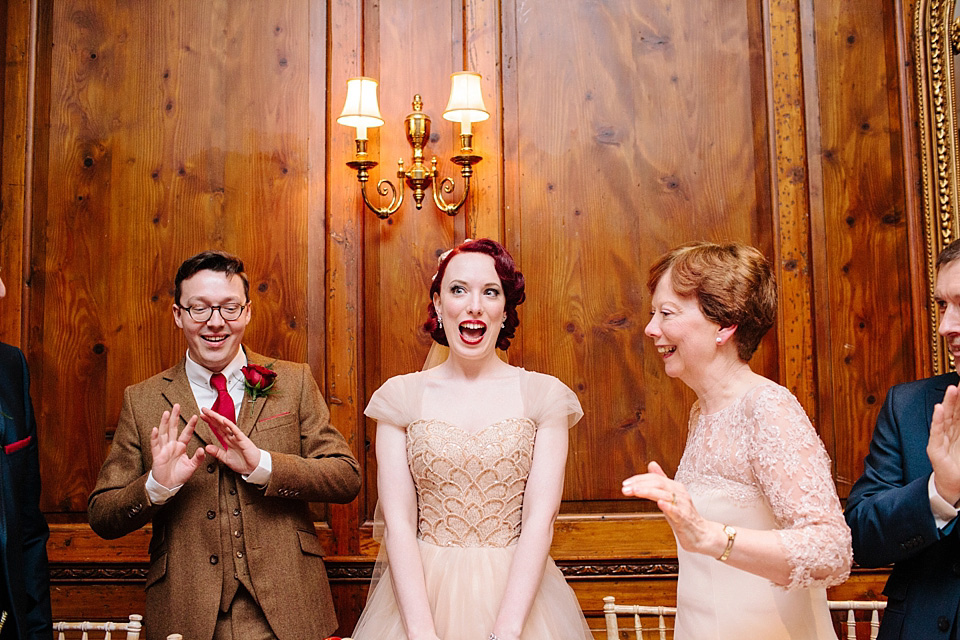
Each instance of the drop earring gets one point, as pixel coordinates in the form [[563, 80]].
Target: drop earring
[[439, 322]]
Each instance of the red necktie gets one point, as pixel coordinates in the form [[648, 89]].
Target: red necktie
[[223, 404]]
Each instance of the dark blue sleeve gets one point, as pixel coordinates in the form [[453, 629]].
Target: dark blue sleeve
[[888, 509], [38, 621]]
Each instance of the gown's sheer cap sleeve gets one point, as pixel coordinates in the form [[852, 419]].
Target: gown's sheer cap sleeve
[[546, 399], [391, 403], [794, 472]]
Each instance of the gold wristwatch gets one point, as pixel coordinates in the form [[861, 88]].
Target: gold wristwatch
[[731, 536]]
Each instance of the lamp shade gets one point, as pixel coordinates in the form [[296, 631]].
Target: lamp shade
[[466, 99], [360, 108]]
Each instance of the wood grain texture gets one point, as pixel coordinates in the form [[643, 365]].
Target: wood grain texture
[[638, 132], [344, 250], [793, 195], [17, 32], [865, 318]]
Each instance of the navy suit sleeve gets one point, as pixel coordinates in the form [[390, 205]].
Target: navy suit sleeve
[[888, 509]]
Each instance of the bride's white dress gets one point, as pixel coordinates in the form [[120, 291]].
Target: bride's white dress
[[469, 450], [759, 464]]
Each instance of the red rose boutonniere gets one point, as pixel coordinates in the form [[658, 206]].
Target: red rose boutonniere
[[258, 380]]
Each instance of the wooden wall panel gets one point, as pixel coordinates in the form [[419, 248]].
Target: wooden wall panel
[[640, 130], [866, 317], [15, 123]]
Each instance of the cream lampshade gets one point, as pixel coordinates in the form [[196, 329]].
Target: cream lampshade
[[360, 109], [466, 100]]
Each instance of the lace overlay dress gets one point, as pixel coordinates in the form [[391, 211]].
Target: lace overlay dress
[[470, 469], [759, 464]]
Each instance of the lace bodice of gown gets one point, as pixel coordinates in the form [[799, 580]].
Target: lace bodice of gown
[[762, 448], [470, 485]]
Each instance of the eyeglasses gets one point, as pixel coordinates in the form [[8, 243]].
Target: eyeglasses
[[202, 313]]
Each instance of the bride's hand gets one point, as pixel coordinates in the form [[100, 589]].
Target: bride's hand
[[693, 532]]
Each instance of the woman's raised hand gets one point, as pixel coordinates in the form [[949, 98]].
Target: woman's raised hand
[[693, 532]]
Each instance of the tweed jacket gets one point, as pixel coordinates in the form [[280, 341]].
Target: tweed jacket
[[23, 530], [311, 463], [889, 514]]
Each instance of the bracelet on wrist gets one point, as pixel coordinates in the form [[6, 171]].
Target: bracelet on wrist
[[731, 536]]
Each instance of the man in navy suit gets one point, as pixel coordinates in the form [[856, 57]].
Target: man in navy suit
[[24, 578], [903, 510]]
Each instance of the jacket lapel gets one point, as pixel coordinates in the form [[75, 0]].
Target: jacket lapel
[[178, 391], [250, 409]]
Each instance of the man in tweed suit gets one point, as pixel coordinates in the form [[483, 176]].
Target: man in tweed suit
[[234, 553]]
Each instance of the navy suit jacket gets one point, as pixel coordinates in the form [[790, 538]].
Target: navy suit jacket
[[23, 529], [890, 517]]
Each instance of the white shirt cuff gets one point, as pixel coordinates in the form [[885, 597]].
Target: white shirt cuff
[[158, 493], [943, 511], [261, 475]]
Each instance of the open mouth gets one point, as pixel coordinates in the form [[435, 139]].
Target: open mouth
[[666, 350], [472, 331], [214, 339]]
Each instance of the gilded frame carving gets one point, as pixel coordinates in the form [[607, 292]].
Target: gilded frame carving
[[937, 36]]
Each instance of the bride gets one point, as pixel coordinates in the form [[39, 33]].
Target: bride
[[470, 465]]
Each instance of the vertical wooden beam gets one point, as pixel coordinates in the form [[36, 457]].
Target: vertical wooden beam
[[344, 260], [791, 180], [20, 24], [483, 212], [905, 16]]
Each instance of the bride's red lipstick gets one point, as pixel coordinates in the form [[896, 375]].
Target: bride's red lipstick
[[471, 331]]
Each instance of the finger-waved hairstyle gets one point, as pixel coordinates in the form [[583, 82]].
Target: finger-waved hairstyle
[[733, 284], [510, 279]]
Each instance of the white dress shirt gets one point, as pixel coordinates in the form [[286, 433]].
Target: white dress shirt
[[943, 511]]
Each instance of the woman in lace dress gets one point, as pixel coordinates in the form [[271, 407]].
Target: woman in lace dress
[[470, 465], [753, 506]]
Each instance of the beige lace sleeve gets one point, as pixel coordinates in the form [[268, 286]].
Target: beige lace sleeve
[[794, 473]]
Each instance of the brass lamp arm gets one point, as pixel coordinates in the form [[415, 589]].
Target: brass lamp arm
[[447, 185], [384, 188]]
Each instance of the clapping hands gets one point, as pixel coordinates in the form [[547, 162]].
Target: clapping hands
[[241, 454], [172, 466], [943, 447]]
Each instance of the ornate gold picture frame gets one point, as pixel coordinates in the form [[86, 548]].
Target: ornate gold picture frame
[[937, 45]]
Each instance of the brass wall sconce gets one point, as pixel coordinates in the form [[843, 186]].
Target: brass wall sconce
[[465, 106]]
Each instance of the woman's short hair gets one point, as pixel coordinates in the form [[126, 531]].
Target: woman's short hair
[[733, 284], [510, 279]]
